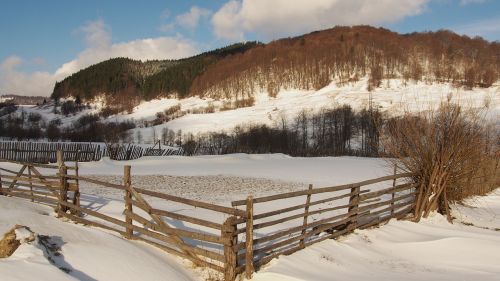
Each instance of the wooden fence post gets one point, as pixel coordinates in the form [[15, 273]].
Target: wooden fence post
[[1, 188], [228, 233], [353, 206], [127, 182], [393, 192], [63, 194], [31, 182], [249, 269], [306, 214], [76, 197], [63, 187]]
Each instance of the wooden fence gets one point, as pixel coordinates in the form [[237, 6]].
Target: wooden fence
[[254, 232], [40, 152]]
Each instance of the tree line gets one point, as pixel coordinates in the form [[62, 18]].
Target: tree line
[[329, 132], [87, 128]]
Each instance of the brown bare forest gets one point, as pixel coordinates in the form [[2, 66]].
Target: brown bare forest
[[348, 53], [310, 61]]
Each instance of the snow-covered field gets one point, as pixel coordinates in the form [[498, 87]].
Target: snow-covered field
[[430, 250]]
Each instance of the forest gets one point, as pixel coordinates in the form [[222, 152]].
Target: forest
[[310, 61], [125, 82]]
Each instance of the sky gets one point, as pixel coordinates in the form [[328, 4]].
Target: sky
[[45, 41]]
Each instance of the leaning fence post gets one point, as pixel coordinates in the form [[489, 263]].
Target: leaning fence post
[[127, 182], [393, 189], [249, 239], [353, 207], [228, 233], [306, 214]]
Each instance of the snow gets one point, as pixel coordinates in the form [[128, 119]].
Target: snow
[[401, 250], [480, 211], [23, 234], [320, 171], [393, 97], [430, 250], [90, 253]]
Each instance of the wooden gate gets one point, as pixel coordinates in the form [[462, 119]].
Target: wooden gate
[[29, 182]]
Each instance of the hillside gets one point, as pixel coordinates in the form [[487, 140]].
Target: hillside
[[255, 90], [124, 82], [307, 62]]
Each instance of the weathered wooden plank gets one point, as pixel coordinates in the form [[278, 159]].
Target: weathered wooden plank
[[296, 207], [177, 253], [47, 200], [395, 189], [191, 202], [387, 202], [199, 251], [228, 232], [97, 182], [320, 190], [249, 239], [127, 182], [177, 232], [306, 214], [186, 218]]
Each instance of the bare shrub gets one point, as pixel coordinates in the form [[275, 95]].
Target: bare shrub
[[445, 149]]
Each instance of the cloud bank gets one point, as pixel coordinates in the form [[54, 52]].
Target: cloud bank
[[99, 47], [277, 18]]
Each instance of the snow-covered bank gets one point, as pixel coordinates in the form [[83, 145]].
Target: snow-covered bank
[[401, 250], [430, 250], [90, 253], [480, 211]]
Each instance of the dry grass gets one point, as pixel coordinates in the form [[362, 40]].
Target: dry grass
[[9, 242]]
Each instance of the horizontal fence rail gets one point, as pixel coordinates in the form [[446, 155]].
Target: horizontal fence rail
[[313, 215], [246, 236]]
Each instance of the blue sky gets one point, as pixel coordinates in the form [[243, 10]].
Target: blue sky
[[44, 41]]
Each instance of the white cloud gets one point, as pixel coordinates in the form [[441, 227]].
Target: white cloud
[[191, 19], [281, 17], [14, 81], [466, 2], [99, 47], [188, 20]]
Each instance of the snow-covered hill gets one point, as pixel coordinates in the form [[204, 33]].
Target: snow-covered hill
[[394, 97]]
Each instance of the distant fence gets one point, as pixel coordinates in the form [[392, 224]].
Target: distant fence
[[238, 242], [40, 152]]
